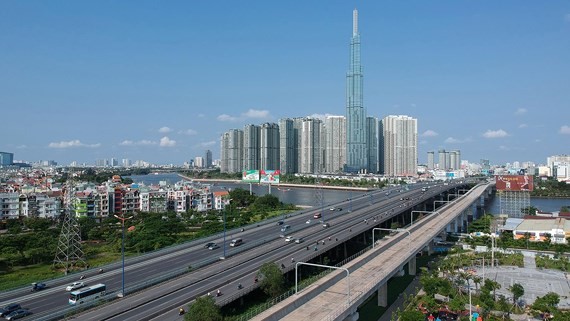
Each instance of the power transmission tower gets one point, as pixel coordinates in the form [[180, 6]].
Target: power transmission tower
[[69, 254]]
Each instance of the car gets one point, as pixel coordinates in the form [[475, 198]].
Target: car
[[20, 313], [308, 222], [4, 311], [332, 208], [213, 246], [326, 225], [299, 240], [317, 215], [285, 228], [207, 246], [280, 223], [37, 286], [74, 286], [289, 238]]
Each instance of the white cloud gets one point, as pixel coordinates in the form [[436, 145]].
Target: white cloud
[[567, 17], [189, 132], [72, 144], [322, 117], [520, 111], [164, 130], [523, 126], [167, 142], [22, 147], [207, 144], [226, 117], [251, 113], [201, 115], [495, 133], [429, 133], [139, 143], [254, 113], [451, 140], [564, 129], [503, 147]]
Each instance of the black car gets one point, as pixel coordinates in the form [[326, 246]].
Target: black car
[[9, 309], [37, 286], [280, 223], [209, 244], [18, 314]]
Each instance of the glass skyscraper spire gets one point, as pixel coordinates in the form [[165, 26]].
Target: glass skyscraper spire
[[356, 159]]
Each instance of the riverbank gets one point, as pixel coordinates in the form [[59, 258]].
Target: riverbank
[[235, 181]]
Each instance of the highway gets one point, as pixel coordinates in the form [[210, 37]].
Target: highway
[[261, 244]]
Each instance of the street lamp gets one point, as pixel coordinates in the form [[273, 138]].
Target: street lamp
[[224, 217], [393, 230], [123, 219]]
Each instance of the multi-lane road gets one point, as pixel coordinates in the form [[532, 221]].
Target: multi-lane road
[[261, 244]]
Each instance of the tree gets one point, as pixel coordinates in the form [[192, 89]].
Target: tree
[[491, 285], [272, 280], [547, 303], [203, 309], [517, 290]]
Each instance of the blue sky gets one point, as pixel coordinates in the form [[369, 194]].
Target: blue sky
[[160, 81]]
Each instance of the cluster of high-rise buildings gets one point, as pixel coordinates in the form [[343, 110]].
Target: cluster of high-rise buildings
[[355, 143]]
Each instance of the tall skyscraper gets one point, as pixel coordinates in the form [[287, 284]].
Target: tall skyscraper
[[208, 159], [430, 159], [251, 147], [269, 146], [310, 146], [335, 144], [400, 137], [287, 143], [231, 151], [442, 164], [372, 144], [355, 113]]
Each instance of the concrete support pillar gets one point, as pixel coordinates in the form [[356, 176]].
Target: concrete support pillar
[[429, 248], [412, 266], [383, 295]]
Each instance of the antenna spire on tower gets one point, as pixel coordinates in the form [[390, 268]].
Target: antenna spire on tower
[[355, 22]]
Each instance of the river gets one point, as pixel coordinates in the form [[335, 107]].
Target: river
[[307, 196]]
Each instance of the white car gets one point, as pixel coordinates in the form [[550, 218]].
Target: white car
[[289, 238], [74, 286], [308, 222]]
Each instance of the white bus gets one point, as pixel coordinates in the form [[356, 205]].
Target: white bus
[[87, 294]]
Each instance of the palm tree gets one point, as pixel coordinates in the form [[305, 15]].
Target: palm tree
[[517, 290], [477, 280]]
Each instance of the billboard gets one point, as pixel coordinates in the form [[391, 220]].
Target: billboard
[[250, 176], [270, 176], [514, 182]]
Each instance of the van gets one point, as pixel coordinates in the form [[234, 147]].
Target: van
[[236, 242], [285, 228]]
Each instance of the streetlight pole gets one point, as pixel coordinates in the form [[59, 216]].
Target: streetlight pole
[[224, 218], [123, 219]]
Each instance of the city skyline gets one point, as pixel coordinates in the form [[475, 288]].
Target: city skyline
[[92, 81]]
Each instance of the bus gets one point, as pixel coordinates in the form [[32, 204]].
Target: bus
[[87, 294]]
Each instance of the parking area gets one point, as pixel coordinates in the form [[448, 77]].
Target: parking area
[[536, 282]]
